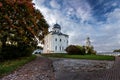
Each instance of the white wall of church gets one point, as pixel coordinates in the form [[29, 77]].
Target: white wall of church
[[47, 43], [60, 43], [55, 43]]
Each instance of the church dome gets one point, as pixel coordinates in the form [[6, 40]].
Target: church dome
[[57, 26]]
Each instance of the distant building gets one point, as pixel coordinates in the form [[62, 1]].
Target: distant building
[[55, 41], [88, 43]]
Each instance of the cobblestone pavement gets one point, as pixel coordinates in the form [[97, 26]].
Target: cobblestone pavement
[[42, 69], [39, 69], [111, 74], [108, 74]]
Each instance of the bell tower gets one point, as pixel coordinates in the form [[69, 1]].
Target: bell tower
[[88, 43]]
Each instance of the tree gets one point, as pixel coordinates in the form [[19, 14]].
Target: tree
[[21, 23], [90, 50]]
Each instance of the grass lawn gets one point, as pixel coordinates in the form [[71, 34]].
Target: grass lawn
[[89, 57], [9, 66]]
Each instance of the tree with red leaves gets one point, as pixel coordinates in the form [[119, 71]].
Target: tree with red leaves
[[0, 4], [20, 22]]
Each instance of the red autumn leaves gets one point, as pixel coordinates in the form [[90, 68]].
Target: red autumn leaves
[[0, 4], [20, 2]]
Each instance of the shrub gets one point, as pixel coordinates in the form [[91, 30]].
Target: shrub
[[14, 52], [80, 50], [117, 50], [72, 49], [25, 50], [9, 52]]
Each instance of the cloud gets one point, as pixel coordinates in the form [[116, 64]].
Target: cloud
[[114, 16], [77, 20], [81, 9], [109, 31], [54, 4], [38, 2]]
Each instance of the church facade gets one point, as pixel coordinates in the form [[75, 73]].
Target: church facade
[[55, 41]]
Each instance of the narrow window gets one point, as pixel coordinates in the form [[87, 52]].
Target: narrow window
[[67, 41], [60, 40], [55, 39], [60, 48], [55, 47]]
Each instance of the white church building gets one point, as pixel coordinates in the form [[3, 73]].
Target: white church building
[[55, 41]]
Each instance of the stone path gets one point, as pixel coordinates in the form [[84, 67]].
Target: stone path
[[108, 74], [111, 74], [42, 69], [39, 69]]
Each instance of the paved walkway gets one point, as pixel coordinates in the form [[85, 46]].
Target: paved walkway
[[39, 69], [110, 74], [42, 69]]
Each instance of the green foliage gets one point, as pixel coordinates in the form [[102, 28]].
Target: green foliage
[[89, 57], [9, 52], [14, 52], [73, 49], [90, 50], [9, 66], [20, 21], [117, 50], [81, 50], [20, 24]]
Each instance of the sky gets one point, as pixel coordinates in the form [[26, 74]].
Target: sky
[[97, 19]]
